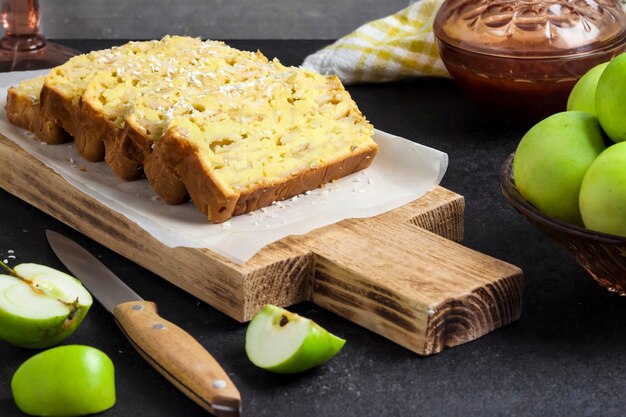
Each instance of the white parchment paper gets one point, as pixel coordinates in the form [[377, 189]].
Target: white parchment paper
[[400, 173]]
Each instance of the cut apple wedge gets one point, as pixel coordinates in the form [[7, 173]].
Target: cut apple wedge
[[40, 306], [284, 342]]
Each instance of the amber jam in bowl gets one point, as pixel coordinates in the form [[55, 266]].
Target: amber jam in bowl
[[602, 255], [524, 56]]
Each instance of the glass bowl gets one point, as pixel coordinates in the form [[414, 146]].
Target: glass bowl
[[523, 57], [602, 255]]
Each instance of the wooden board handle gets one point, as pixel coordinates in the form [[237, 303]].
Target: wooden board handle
[[412, 286], [179, 358]]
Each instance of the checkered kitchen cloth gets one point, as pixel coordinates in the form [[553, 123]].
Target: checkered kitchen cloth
[[397, 46]]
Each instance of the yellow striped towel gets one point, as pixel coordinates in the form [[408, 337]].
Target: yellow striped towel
[[397, 46]]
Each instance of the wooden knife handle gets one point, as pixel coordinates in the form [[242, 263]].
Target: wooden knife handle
[[179, 358]]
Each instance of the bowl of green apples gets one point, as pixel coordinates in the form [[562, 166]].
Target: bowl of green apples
[[568, 175]]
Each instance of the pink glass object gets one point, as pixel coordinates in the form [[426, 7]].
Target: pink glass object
[[22, 47]]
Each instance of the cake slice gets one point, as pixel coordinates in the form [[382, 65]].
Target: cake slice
[[24, 107], [153, 110], [109, 93], [190, 67], [62, 90], [23, 110], [249, 144]]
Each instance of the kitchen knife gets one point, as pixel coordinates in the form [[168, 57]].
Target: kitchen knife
[[167, 347]]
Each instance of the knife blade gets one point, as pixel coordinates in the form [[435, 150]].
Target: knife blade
[[174, 353]]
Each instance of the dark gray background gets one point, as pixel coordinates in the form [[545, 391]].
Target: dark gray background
[[214, 19]]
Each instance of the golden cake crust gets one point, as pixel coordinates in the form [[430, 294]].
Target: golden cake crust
[[174, 169], [72, 119], [164, 180], [23, 110]]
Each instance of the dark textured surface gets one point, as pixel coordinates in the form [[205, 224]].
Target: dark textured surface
[[564, 357]]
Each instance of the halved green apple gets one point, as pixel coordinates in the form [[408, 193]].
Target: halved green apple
[[40, 306], [284, 342]]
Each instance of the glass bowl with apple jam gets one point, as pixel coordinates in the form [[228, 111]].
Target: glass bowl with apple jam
[[523, 57]]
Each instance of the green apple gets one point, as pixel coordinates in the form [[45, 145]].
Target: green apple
[[40, 306], [63, 381], [552, 159], [611, 99], [284, 342], [583, 95], [603, 192]]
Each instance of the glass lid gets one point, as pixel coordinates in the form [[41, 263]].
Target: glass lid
[[531, 28]]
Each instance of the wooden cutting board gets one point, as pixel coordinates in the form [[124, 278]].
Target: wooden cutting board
[[400, 274]]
